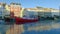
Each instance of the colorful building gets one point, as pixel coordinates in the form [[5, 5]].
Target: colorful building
[[16, 9]]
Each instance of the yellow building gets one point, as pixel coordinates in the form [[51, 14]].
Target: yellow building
[[7, 7]]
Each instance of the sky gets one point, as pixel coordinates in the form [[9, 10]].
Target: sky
[[34, 3]]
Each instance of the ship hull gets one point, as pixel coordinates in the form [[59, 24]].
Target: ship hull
[[17, 20], [22, 20]]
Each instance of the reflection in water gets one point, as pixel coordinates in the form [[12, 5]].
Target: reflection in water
[[43, 27], [39, 27], [4, 28]]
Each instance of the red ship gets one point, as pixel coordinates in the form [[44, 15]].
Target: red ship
[[25, 20], [19, 20]]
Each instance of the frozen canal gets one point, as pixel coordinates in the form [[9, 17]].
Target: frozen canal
[[41, 27]]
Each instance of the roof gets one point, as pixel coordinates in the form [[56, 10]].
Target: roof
[[15, 3]]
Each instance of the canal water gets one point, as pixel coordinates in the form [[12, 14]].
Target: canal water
[[40, 27]]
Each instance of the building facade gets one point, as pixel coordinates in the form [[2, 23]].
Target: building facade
[[30, 13], [45, 11], [15, 8], [41, 11], [2, 10], [55, 12]]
